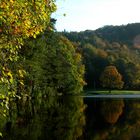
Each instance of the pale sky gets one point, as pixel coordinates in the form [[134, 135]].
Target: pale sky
[[92, 14]]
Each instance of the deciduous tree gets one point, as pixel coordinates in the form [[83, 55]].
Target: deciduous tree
[[111, 78], [19, 20]]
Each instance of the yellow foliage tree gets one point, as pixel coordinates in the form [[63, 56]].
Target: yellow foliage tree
[[19, 20]]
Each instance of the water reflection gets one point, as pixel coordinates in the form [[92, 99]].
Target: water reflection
[[73, 118], [113, 119], [54, 118]]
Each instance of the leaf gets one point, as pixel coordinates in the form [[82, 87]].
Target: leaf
[[64, 14], [11, 80], [21, 73], [0, 134], [21, 82], [9, 74]]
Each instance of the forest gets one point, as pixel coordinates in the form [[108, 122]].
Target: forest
[[36, 63], [117, 46], [43, 70]]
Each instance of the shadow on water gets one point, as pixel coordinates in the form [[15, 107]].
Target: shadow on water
[[73, 118]]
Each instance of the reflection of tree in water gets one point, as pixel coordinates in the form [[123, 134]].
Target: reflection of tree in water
[[65, 119], [130, 129], [111, 110], [101, 115], [114, 120], [56, 118], [62, 118]]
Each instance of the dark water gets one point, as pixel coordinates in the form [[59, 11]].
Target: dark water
[[73, 118]]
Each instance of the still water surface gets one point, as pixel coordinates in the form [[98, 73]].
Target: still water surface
[[74, 118]]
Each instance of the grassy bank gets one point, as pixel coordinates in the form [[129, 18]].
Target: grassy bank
[[91, 92]]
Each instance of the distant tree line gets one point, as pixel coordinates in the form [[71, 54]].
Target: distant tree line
[[109, 46]]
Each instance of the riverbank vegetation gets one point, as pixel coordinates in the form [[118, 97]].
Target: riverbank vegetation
[[37, 63], [116, 46]]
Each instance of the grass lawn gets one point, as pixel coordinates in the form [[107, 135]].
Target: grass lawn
[[91, 92]]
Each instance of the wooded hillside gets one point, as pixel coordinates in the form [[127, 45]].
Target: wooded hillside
[[110, 45]]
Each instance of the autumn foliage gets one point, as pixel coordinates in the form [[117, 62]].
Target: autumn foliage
[[111, 78]]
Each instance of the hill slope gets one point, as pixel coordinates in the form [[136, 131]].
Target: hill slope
[[111, 45], [125, 34]]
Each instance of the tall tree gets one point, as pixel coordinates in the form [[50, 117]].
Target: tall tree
[[94, 60], [19, 20], [54, 65], [111, 78]]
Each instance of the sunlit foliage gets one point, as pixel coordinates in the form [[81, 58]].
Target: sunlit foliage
[[19, 19]]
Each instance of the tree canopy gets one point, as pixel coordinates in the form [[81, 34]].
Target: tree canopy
[[19, 20], [111, 78], [109, 45], [54, 64]]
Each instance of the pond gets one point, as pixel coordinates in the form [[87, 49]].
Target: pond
[[73, 118]]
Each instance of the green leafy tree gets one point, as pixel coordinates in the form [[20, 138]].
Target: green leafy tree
[[19, 20], [111, 78], [54, 65], [94, 60]]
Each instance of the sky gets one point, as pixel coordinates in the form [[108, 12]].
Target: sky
[[92, 14]]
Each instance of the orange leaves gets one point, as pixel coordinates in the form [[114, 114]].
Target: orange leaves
[[102, 53], [111, 78], [0, 30]]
